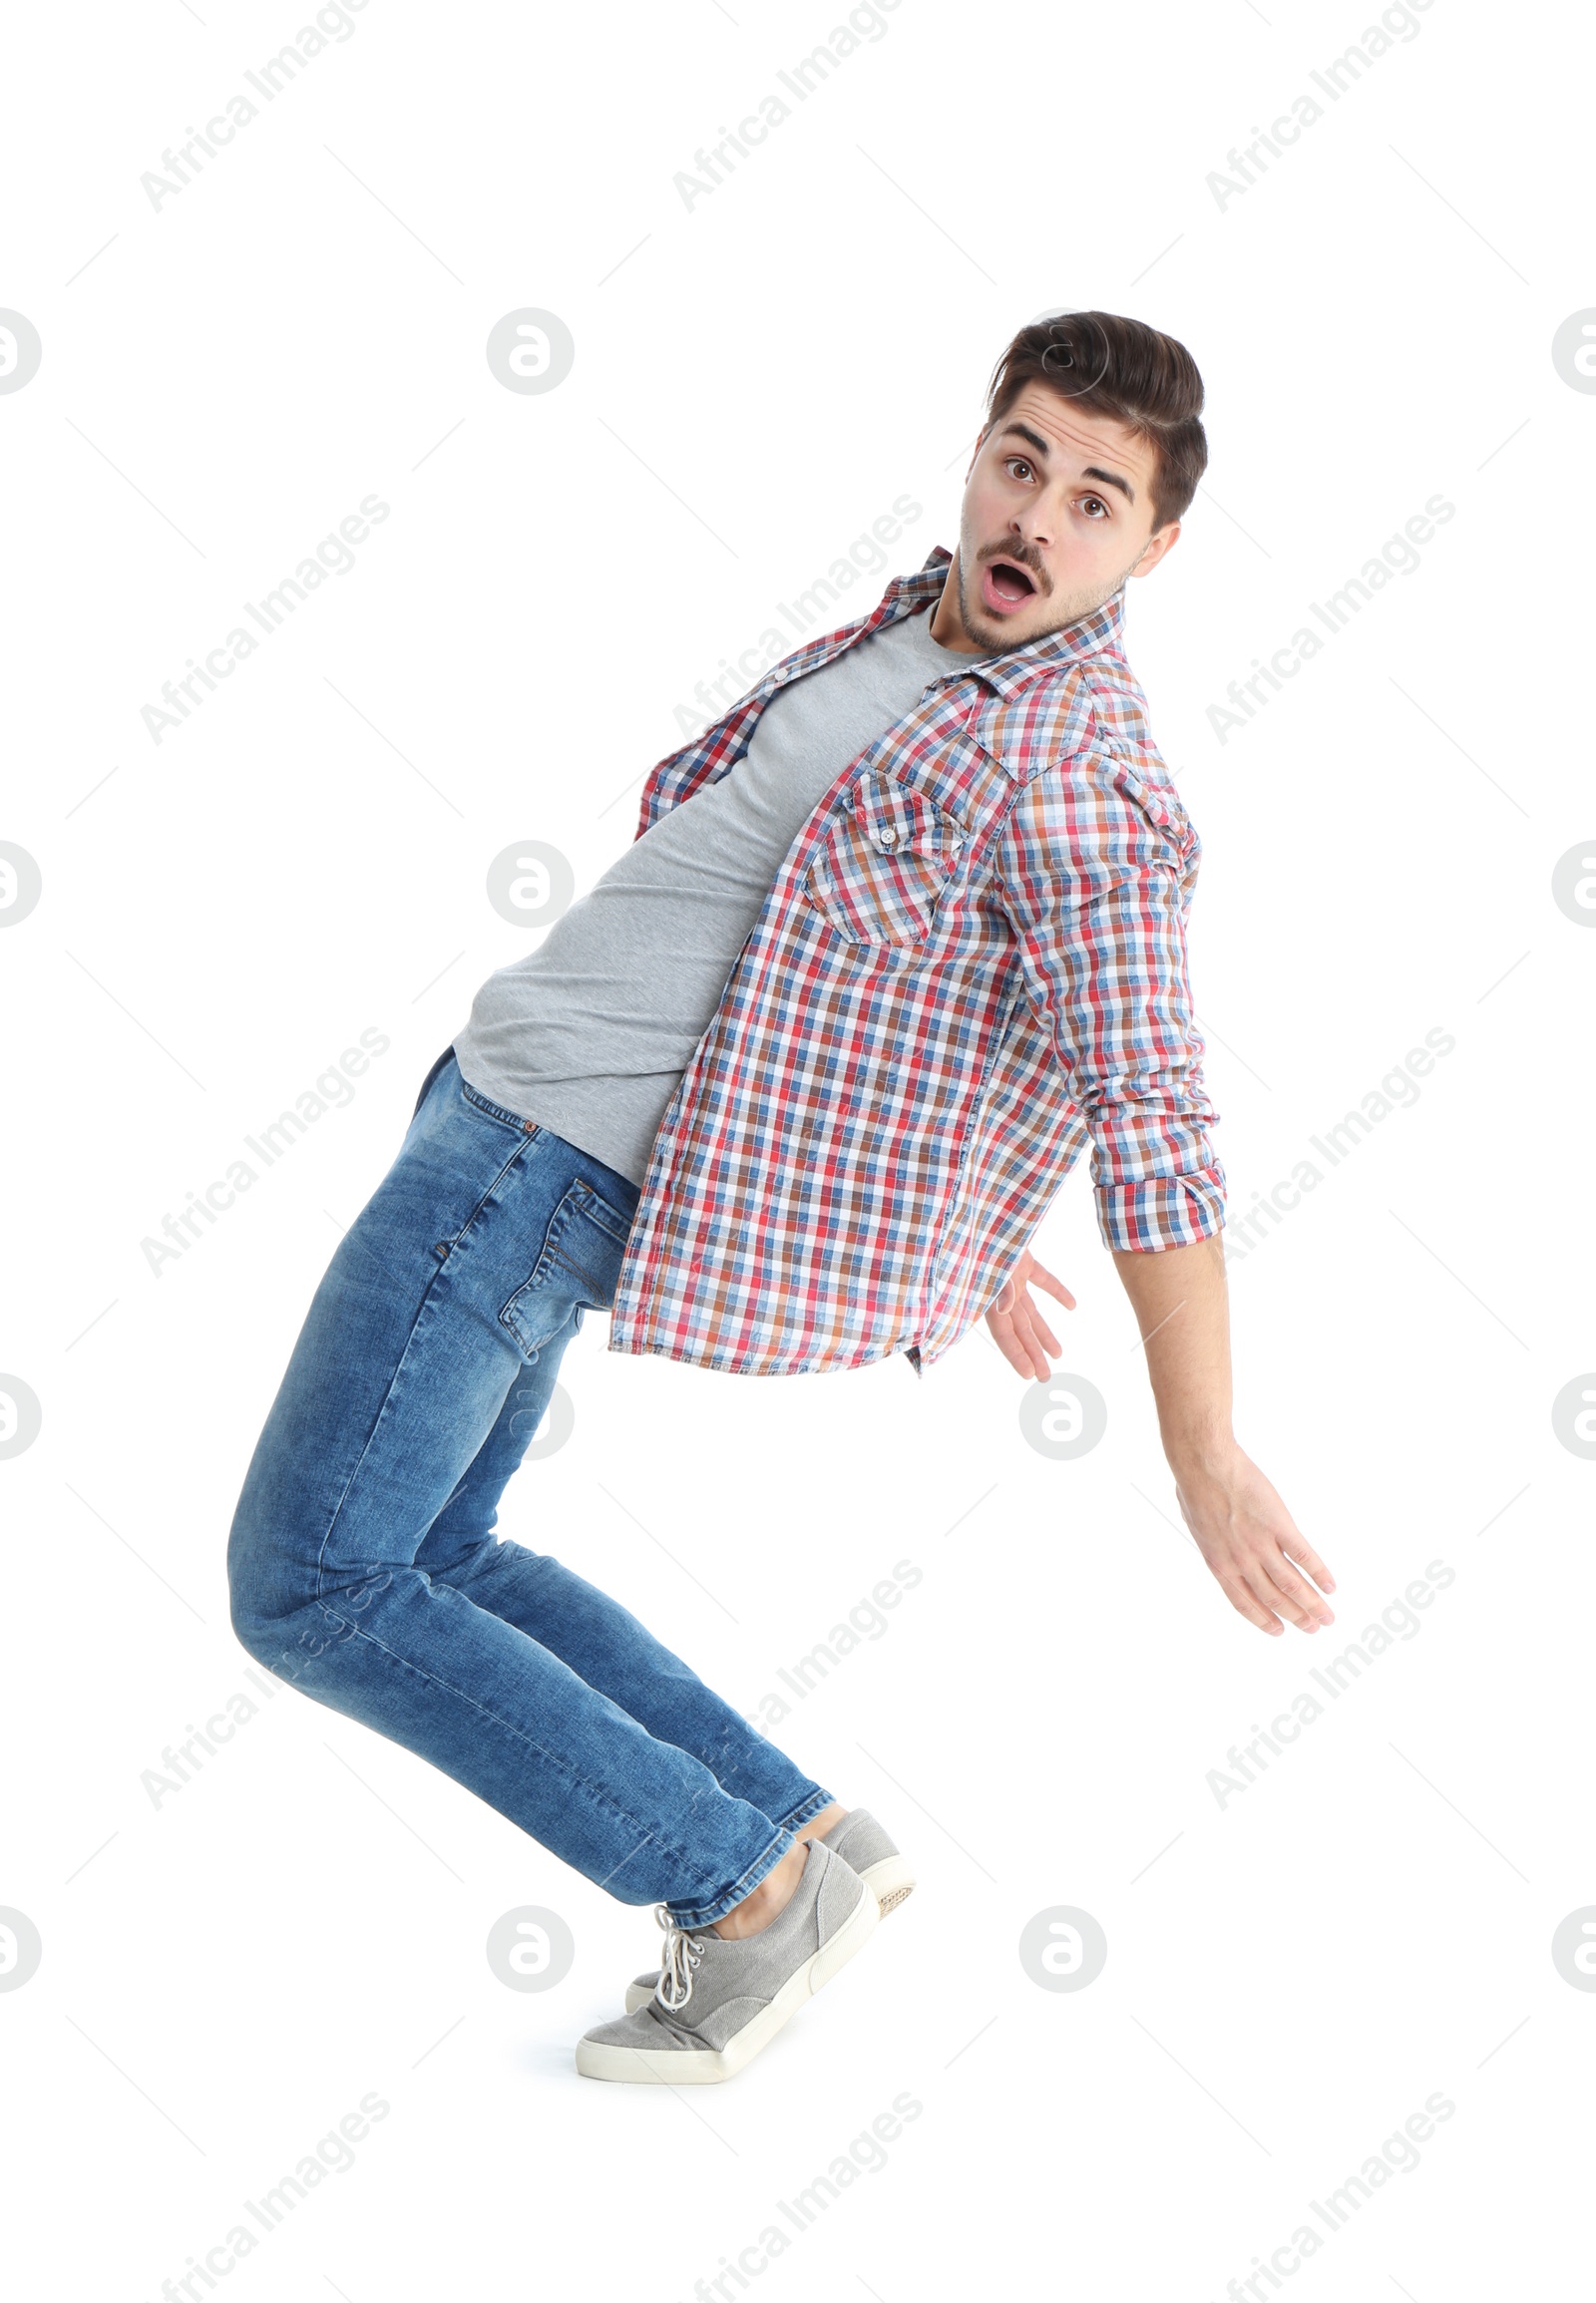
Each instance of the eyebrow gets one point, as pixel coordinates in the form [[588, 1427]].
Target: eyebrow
[[1089, 471]]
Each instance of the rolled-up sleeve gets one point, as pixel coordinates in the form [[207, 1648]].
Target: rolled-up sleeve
[[1097, 872]]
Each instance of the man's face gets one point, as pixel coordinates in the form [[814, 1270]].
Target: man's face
[[1057, 512]]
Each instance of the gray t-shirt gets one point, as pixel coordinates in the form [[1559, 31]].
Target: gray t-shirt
[[589, 1034]]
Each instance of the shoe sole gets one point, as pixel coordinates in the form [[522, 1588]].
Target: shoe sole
[[889, 1881], [688, 2067]]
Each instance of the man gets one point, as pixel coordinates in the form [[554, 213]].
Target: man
[[789, 1090]]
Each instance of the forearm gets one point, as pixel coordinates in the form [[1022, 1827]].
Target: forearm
[[1181, 1302], [1239, 1524]]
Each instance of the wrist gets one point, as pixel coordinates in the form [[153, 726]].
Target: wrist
[[1194, 1456]]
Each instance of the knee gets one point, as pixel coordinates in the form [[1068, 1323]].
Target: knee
[[285, 1640], [252, 1628], [259, 1600], [458, 1557]]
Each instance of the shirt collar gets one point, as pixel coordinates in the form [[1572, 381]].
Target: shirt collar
[[1015, 666]]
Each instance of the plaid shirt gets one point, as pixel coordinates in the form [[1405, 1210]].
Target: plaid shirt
[[970, 961]]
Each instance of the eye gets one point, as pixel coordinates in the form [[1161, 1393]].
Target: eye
[[1098, 500], [1017, 463]]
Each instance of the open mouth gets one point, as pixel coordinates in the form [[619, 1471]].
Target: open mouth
[[1006, 585]]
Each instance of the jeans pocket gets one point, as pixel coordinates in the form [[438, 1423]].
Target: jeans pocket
[[578, 1269], [494, 1111]]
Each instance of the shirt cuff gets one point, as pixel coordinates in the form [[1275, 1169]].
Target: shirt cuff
[[1162, 1211]]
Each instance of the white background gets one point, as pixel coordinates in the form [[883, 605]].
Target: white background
[[1289, 1976]]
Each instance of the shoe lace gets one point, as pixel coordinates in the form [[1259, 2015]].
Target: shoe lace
[[680, 1956]]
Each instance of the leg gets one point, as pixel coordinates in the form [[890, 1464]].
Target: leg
[[473, 1262], [598, 1637]]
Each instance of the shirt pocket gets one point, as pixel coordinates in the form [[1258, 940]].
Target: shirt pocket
[[886, 857], [1163, 806]]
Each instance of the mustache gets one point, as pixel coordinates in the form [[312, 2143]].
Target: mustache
[[1022, 555]]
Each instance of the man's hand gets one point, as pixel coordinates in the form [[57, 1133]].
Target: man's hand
[[1252, 1544], [1241, 1527], [1021, 1332], [1259, 1558]]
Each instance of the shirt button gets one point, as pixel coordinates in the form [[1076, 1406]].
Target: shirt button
[[889, 838]]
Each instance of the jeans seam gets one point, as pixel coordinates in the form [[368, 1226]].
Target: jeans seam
[[805, 1810], [563, 1765], [421, 1308], [488, 1109], [492, 1188], [546, 1275], [705, 1914], [382, 1406]]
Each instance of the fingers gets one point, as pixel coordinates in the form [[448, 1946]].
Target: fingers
[[1019, 1329], [1290, 1590], [1279, 1586], [1259, 1558], [1021, 1353], [1050, 1280], [1034, 1334], [1000, 1325], [1015, 1354], [1264, 1590], [1297, 1548], [1247, 1602]]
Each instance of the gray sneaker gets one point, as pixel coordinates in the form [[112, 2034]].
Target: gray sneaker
[[865, 1847], [719, 2000]]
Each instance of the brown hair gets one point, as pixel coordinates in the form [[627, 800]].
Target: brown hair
[[1111, 366]]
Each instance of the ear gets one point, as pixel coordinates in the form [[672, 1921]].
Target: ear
[[981, 442], [1162, 540]]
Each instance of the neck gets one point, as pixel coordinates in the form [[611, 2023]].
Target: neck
[[946, 624]]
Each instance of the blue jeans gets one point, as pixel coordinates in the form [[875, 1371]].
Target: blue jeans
[[362, 1560]]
